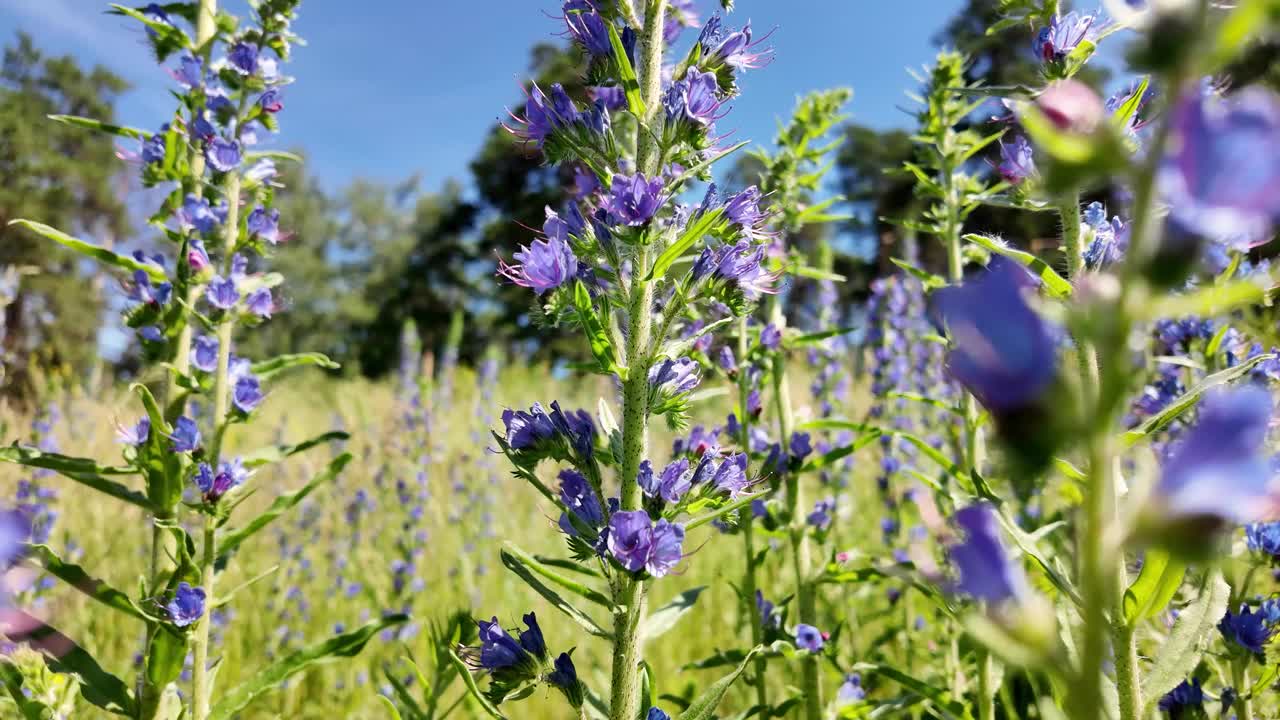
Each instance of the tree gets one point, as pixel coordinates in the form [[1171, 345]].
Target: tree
[[66, 177]]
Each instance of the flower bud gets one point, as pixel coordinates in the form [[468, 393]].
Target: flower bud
[[1072, 106]]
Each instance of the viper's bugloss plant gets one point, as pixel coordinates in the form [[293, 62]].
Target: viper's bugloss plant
[[204, 279]]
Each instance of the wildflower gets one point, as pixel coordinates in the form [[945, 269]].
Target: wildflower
[[1017, 160], [820, 518], [265, 223], [634, 200], [1221, 178], [137, 434], [1002, 351], [1110, 239], [576, 427], [154, 148], [657, 714], [222, 292], [542, 266], [675, 377], [525, 430], [543, 115], [1246, 629], [190, 72], [187, 605], [271, 101], [261, 303], [1072, 106], [15, 528], [204, 353], [731, 476], [197, 258], [639, 545], [736, 50], [1062, 35], [727, 361], [186, 435], [246, 394], [1217, 475], [799, 446], [580, 498], [505, 658], [564, 676], [222, 154], [851, 690], [675, 480], [986, 571], [809, 638], [243, 58], [261, 171], [1184, 701], [1263, 538], [739, 265], [198, 214], [143, 291], [587, 28], [771, 337], [693, 99], [769, 618], [213, 486]]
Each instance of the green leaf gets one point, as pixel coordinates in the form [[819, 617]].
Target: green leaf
[[78, 578], [693, 232], [626, 73], [1192, 632], [938, 695], [1124, 114], [472, 689], [524, 573], [1187, 400], [722, 511], [601, 345], [1210, 301], [278, 453], [1155, 586], [704, 706], [154, 413], [391, 707], [99, 126], [926, 278], [268, 369], [283, 503], [661, 620], [1056, 285], [101, 254], [65, 657], [82, 470], [577, 588], [815, 215], [255, 155], [165, 659], [350, 644]]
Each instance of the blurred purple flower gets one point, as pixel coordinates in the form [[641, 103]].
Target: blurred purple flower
[[985, 568]]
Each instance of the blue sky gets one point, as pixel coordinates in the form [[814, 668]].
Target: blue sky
[[389, 88]]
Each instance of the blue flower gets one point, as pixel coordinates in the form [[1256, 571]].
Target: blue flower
[[222, 154], [190, 71], [799, 446], [1182, 701], [1221, 180], [675, 481], [204, 353], [820, 518], [213, 486], [693, 100], [985, 568], [1063, 34], [222, 292], [186, 435], [261, 303], [198, 214], [565, 677], [243, 58], [1263, 538], [639, 545], [675, 377], [154, 148], [498, 650], [1002, 351], [525, 430], [265, 223], [587, 28], [769, 617], [544, 265], [187, 605], [656, 714], [246, 393], [137, 434], [1017, 160], [580, 498], [1218, 471], [634, 200], [809, 638], [15, 528], [731, 476], [771, 337], [271, 101], [1246, 629], [851, 690]]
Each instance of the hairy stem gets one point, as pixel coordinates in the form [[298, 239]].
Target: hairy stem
[[986, 686], [750, 584], [1244, 697], [629, 594]]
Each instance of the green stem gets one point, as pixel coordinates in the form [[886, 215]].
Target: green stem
[[750, 584], [1244, 696], [986, 686], [201, 689], [806, 602], [629, 593]]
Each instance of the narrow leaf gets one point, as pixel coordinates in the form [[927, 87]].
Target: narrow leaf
[[523, 572], [472, 689], [269, 678], [704, 706], [1192, 631], [63, 656], [270, 368], [96, 252], [1155, 586], [1055, 284], [626, 73], [277, 453], [601, 345], [78, 578], [82, 470], [565, 583], [99, 126], [693, 232], [664, 618], [283, 503], [1187, 400]]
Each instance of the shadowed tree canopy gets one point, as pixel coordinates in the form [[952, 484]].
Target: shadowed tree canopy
[[62, 176]]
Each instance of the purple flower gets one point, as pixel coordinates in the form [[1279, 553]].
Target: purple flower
[[154, 148], [799, 446], [1072, 106], [246, 394], [543, 115], [1218, 471], [151, 333], [243, 58], [576, 427], [675, 480], [531, 638], [1002, 351], [526, 430], [197, 258], [213, 486], [271, 101], [675, 377], [731, 476], [542, 266], [694, 99], [820, 518], [1062, 35], [851, 690], [1221, 180], [1263, 538], [265, 223], [146, 293], [736, 50], [739, 265], [136, 434], [187, 605], [580, 498], [222, 154], [771, 337], [986, 571], [657, 714], [634, 200], [587, 28], [809, 638], [186, 435], [222, 292], [1017, 160], [261, 303], [1246, 629], [204, 353], [15, 528], [1184, 701], [498, 650], [198, 214], [754, 406], [639, 546], [565, 677], [727, 361], [261, 171], [190, 72], [768, 617]]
